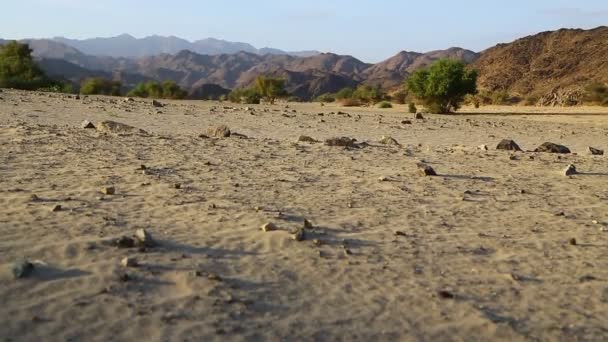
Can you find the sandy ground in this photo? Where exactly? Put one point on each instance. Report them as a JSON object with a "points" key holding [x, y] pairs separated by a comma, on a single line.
{"points": [[481, 252]]}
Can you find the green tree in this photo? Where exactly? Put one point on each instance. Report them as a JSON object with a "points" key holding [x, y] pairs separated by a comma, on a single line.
{"points": [[368, 94], [153, 89], [18, 69], [100, 86], [270, 88], [345, 93], [244, 95], [443, 85]]}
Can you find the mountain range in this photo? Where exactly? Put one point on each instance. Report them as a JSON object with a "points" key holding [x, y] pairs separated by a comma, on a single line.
{"points": [[536, 64]]}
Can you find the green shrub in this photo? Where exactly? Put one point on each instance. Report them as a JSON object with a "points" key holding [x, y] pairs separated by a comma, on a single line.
{"points": [[596, 93], [412, 108], [385, 105], [100, 86], [531, 100], [325, 98], [400, 97], [18, 69], [443, 85], [245, 96], [368, 94], [153, 89], [345, 93], [270, 88]]}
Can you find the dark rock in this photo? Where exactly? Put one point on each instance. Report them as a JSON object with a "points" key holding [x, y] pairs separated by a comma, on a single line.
{"points": [[570, 170], [508, 145], [157, 104], [125, 242], [299, 235], [221, 131], [87, 124], [22, 269], [595, 151], [426, 170], [549, 147], [305, 138], [389, 141], [419, 116], [144, 238], [341, 141]]}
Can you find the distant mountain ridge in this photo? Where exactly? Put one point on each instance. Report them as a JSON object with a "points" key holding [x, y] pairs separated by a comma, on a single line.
{"points": [[128, 46]]}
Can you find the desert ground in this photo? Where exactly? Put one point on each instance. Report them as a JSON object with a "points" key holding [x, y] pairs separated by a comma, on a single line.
{"points": [[500, 245]]}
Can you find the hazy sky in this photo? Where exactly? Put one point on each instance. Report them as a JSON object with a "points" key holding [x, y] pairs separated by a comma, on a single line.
{"points": [[369, 30]]}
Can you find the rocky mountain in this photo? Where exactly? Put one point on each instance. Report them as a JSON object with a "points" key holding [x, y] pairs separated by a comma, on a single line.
{"points": [[128, 46], [541, 63], [391, 72]]}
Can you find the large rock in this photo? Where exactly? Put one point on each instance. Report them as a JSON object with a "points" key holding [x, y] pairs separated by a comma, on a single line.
{"points": [[508, 145], [389, 141], [550, 147], [118, 128], [221, 131]]}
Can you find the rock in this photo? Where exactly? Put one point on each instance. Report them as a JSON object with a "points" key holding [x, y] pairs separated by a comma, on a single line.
{"points": [[483, 147], [110, 190], [595, 151], [157, 104], [144, 238], [573, 242], [129, 99], [269, 227], [382, 179], [307, 224], [117, 128], [341, 141], [87, 124], [129, 262], [419, 116], [221, 131], [125, 242], [549, 147], [389, 141], [305, 138], [406, 122], [56, 208], [299, 235], [22, 269], [561, 97], [508, 145], [570, 170], [426, 170]]}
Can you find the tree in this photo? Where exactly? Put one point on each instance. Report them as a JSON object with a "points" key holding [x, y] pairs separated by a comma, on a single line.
{"points": [[100, 86], [443, 85], [246, 96], [18, 69], [270, 88], [345, 93], [368, 94], [153, 89]]}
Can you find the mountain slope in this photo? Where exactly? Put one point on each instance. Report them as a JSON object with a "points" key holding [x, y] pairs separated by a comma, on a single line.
{"points": [[538, 64], [128, 46]]}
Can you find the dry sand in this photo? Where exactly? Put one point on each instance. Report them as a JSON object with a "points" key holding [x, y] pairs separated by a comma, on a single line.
{"points": [[481, 252]]}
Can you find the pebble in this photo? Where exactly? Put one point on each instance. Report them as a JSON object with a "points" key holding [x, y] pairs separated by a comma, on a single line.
{"points": [[307, 224], [144, 238], [269, 227], [56, 208], [129, 262], [426, 170], [22, 269], [570, 170], [299, 235], [108, 190]]}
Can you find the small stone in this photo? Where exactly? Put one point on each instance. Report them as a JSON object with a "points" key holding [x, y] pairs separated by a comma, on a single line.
{"points": [[573, 242], [426, 170], [347, 252], [419, 116], [129, 262], [214, 277], [108, 190], [144, 238], [269, 227], [221, 131], [22, 269], [157, 104], [389, 141], [446, 294], [595, 151], [56, 208], [129, 99], [483, 147], [34, 198], [177, 186], [299, 235], [341, 141], [400, 233], [307, 224], [570, 170], [305, 138], [508, 145], [549, 147], [383, 179], [87, 124], [143, 167], [406, 122]]}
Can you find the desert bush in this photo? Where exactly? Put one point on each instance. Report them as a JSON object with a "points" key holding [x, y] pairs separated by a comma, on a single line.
{"points": [[368, 94], [472, 100], [18, 69], [350, 102], [100, 86], [270, 88], [412, 108], [153, 89], [596, 93], [245, 96], [400, 97], [531, 100], [443, 85], [385, 104], [325, 98], [345, 93]]}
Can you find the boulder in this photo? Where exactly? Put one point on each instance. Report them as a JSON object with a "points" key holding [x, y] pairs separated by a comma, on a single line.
{"points": [[595, 151], [508, 145], [550, 147]]}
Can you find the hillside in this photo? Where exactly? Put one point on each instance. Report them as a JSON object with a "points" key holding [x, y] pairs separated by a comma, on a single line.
{"points": [[540, 63]]}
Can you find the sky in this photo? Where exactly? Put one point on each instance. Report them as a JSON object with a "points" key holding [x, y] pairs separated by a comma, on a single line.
{"points": [[369, 30]]}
